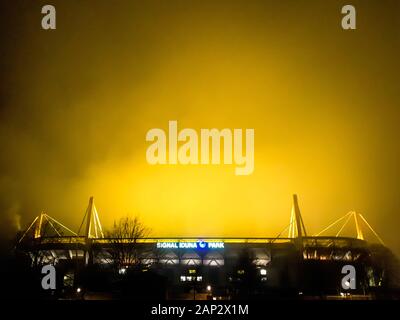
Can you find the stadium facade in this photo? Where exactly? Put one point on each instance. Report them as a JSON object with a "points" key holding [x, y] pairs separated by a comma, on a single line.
{"points": [[214, 268]]}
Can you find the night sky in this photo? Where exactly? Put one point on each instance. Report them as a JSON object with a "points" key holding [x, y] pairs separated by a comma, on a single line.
{"points": [[76, 104]]}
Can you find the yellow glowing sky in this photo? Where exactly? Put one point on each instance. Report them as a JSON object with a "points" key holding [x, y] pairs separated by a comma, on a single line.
{"points": [[323, 102]]}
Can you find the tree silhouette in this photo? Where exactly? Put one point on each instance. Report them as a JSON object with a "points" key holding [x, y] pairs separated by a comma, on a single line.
{"points": [[124, 238]]}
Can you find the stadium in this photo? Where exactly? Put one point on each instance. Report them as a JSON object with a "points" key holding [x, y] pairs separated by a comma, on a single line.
{"points": [[136, 266]]}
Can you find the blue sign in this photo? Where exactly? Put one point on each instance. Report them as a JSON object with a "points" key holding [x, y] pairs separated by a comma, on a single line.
{"points": [[200, 244]]}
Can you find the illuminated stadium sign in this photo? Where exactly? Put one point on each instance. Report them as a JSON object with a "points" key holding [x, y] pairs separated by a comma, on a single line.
{"points": [[191, 245]]}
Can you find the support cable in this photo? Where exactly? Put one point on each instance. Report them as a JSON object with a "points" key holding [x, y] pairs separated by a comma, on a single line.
{"points": [[23, 236], [83, 221], [282, 231], [98, 222], [332, 224], [52, 225], [348, 219], [59, 223], [376, 235]]}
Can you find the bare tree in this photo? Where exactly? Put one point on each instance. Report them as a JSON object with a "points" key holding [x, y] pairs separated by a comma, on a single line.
{"points": [[124, 237]]}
